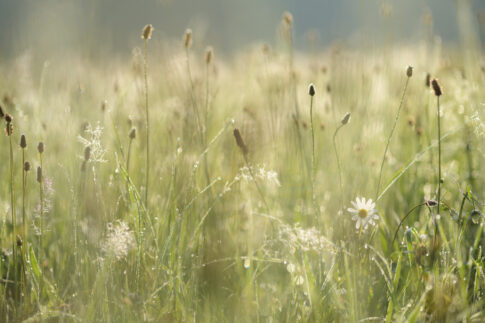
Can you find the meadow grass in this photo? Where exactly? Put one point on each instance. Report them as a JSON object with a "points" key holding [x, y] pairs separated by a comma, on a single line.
{"points": [[283, 228]]}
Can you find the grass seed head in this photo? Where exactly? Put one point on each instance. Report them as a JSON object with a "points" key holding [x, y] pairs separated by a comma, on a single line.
{"points": [[39, 174], [2, 114], [188, 38], [409, 71], [147, 32], [132, 133], [288, 19], [436, 87], [27, 166], [346, 119], [240, 141], [428, 80], [87, 153], [311, 89], [23, 142], [209, 55], [8, 118], [40, 147]]}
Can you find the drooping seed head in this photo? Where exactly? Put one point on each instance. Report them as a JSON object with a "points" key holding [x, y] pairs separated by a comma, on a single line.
{"points": [[40, 147], [240, 141], [27, 166], [311, 89], [87, 153], [188, 38], [39, 174], [409, 71], [147, 32], [209, 55], [428, 80], [436, 87], [23, 142], [132, 133], [346, 119]]}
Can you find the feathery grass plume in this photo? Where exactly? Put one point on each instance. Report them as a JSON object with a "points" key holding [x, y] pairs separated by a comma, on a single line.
{"points": [[188, 38], [146, 35], [132, 136], [343, 122], [244, 149], [409, 73], [438, 92], [311, 92]]}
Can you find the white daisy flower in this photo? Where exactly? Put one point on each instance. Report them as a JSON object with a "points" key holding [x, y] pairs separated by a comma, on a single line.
{"points": [[364, 212]]}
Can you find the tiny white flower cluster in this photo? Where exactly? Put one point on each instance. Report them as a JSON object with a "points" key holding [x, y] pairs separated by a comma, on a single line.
{"points": [[119, 240], [261, 173], [297, 238], [93, 141]]}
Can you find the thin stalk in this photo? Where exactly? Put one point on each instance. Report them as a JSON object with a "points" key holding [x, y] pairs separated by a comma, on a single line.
{"points": [[255, 182], [439, 161], [128, 157], [390, 137], [313, 152], [192, 95], [12, 207], [339, 167], [145, 65], [24, 178]]}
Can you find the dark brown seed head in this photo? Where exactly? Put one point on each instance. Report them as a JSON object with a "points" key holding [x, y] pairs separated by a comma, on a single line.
{"points": [[428, 80], [133, 133], [40, 147], [147, 32], [409, 71], [8, 118], [2, 114], [240, 142], [431, 203], [209, 55], [19, 241], [311, 89], [27, 166], [346, 119], [87, 153], [188, 38], [39, 174], [23, 142], [436, 87]]}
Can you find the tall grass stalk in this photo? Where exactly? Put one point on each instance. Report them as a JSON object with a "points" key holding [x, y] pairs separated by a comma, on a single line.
{"points": [[311, 92], [146, 35], [409, 74], [344, 121], [438, 92]]}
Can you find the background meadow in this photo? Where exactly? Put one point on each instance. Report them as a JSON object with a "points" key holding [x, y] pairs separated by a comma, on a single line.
{"points": [[245, 197]]}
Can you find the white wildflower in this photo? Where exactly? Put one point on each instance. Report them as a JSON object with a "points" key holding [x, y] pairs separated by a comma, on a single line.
{"points": [[364, 212]]}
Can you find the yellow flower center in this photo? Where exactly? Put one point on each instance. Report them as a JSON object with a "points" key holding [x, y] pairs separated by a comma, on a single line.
{"points": [[363, 213]]}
